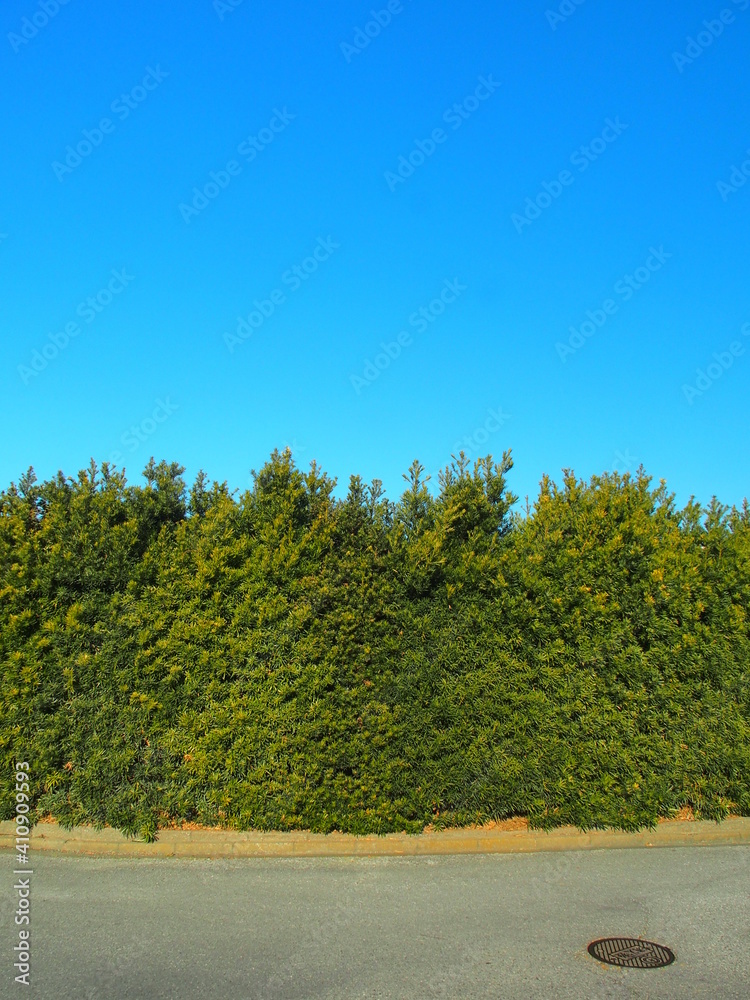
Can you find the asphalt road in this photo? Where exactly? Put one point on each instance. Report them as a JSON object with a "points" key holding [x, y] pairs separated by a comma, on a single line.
{"points": [[501, 926]]}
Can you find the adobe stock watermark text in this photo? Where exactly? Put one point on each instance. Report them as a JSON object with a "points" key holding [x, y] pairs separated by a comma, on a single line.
{"points": [[248, 149], [122, 106], [420, 320], [138, 434], [564, 12], [22, 886], [624, 289], [293, 278], [454, 116], [88, 311], [696, 45], [224, 7], [582, 158], [31, 25], [363, 37], [722, 362]]}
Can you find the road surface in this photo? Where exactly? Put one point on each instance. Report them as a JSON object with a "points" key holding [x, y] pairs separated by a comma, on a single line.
{"points": [[460, 927]]}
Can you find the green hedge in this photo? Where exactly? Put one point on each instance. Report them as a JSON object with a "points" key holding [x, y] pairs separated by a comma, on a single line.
{"points": [[285, 660]]}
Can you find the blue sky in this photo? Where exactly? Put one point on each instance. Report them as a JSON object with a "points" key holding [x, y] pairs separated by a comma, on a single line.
{"points": [[631, 127]]}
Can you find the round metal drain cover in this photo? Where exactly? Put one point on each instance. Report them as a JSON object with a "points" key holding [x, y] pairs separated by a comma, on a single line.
{"points": [[631, 953]]}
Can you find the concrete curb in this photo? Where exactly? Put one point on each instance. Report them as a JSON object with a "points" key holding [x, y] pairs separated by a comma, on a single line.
{"points": [[231, 844]]}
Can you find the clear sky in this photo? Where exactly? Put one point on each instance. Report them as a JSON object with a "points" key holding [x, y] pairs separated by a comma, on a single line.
{"points": [[414, 167]]}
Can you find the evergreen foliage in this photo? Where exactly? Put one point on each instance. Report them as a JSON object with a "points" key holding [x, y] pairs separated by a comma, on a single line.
{"points": [[285, 660]]}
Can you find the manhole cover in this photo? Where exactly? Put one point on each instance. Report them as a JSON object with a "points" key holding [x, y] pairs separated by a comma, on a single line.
{"points": [[632, 953]]}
